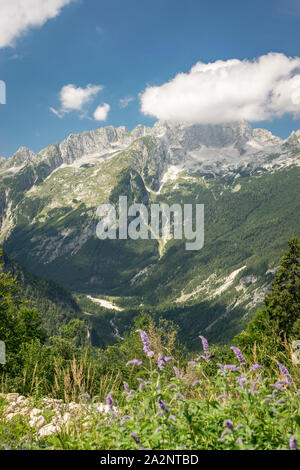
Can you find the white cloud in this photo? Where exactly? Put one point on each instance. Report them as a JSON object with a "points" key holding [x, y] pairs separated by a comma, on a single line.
{"points": [[225, 91], [124, 102], [101, 112], [18, 16], [74, 98]]}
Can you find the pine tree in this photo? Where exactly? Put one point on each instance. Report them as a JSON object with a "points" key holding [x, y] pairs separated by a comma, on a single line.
{"points": [[282, 304], [279, 318]]}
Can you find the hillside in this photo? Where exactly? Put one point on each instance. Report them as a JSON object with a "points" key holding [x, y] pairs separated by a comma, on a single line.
{"points": [[246, 178]]}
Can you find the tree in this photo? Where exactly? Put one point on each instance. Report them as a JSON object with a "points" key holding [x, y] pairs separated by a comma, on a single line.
{"points": [[19, 324], [279, 319]]}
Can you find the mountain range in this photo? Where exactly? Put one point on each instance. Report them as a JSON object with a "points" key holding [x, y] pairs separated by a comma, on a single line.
{"points": [[247, 179]]}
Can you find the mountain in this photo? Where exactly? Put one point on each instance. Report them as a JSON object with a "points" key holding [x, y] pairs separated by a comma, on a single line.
{"points": [[247, 179]]}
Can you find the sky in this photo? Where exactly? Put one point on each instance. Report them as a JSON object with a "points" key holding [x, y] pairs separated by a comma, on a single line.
{"points": [[76, 65]]}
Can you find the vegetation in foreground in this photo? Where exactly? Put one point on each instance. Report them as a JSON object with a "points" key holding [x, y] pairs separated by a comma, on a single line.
{"points": [[157, 396]]}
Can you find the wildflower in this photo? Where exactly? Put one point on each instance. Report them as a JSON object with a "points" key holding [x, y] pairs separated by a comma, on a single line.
{"points": [[176, 371], [172, 417], [179, 396], [239, 426], [293, 443], [281, 400], [205, 345], [239, 441], [231, 367], [285, 372], [192, 363], [241, 380], [256, 367], [239, 355], [146, 343], [162, 361], [135, 362], [278, 386], [226, 431], [136, 439], [223, 396], [228, 423], [126, 386], [109, 400], [266, 400], [161, 404]]}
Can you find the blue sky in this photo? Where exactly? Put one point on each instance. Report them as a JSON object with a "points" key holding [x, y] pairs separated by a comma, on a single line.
{"points": [[125, 47]]}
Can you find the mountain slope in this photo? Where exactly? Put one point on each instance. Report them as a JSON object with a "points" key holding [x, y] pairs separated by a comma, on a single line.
{"points": [[248, 180]]}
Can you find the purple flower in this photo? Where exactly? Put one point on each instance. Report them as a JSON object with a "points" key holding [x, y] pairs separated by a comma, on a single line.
{"points": [[126, 386], [205, 345], [228, 423], [161, 404], [278, 386], [192, 363], [162, 361], [109, 400], [256, 367], [176, 371], [135, 362], [179, 396], [224, 433], [281, 400], [231, 367], [146, 342], [136, 439], [293, 443], [241, 380], [285, 372], [223, 396], [239, 355], [202, 357]]}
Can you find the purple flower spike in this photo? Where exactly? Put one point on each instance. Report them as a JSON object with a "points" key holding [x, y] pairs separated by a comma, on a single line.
{"points": [[293, 443], [228, 423], [109, 400], [146, 343], [231, 367], [223, 396], [126, 386], [161, 405], [176, 371], [162, 361], [135, 362], [256, 367], [239, 355], [205, 345], [285, 372]]}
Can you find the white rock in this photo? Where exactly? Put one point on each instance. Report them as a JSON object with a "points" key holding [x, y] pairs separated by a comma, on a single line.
{"points": [[48, 430], [35, 412], [37, 422]]}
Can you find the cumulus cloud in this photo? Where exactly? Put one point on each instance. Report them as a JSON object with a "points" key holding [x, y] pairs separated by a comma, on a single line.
{"points": [[124, 102], [226, 91], [18, 16], [101, 112], [74, 98]]}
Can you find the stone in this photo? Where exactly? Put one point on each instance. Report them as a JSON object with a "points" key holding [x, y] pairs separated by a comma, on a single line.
{"points": [[35, 412], [48, 430], [37, 422]]}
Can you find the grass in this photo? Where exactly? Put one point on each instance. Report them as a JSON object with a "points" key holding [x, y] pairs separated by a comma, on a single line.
{"points": [[202, 405]]}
